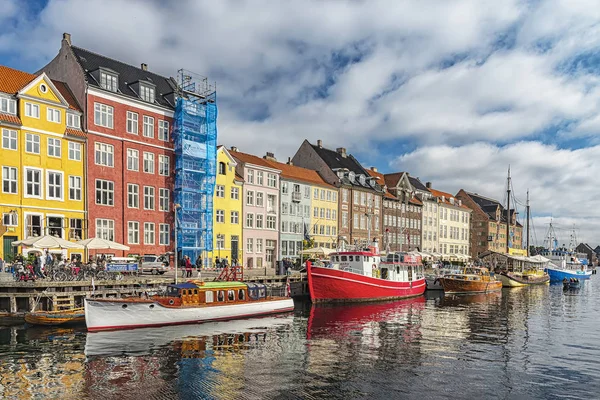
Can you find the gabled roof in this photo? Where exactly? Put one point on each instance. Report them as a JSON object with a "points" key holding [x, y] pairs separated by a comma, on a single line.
{"points": [[444, 197], [586, 247], [68, 96], [417, 184], [391, 180], [12, 80], [127, 76], [251, 159], [299, 174], [489, 207]]}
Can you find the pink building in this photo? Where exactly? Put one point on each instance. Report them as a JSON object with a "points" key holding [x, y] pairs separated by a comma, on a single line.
{"points": [[260, 209]]}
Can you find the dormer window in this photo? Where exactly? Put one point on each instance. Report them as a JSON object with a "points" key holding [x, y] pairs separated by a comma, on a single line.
{"points": [[351, 176], [8, 106], [108, 81], [147, 93], [362, 179], [73, 121]]}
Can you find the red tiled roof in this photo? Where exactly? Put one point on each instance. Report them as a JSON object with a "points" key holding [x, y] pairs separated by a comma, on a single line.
{"points": [[75, 132], [250, 159], [391, 180], [381, 180], [415, 200], [239, 177], [390, 196], [12, 80], [66, 93], [13, 119], [439, 194], [299, 173]]}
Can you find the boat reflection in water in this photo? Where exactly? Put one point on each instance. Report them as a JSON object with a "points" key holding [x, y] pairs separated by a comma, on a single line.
{"points": [[146, 340]]}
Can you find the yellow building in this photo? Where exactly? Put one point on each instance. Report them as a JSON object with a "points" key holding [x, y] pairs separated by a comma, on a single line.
{"points": [[324, 218], [227, 208], [42, 157]]}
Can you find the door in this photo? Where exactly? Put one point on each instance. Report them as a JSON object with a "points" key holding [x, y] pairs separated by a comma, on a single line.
{"points": [[9, 249], [234, 248]]}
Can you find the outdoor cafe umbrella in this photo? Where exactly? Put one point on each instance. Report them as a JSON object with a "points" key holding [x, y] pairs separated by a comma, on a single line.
{"points": [[98, 243], [47, 242]]}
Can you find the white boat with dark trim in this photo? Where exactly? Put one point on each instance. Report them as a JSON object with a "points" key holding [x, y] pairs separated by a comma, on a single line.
{"points": [[186, 303]]}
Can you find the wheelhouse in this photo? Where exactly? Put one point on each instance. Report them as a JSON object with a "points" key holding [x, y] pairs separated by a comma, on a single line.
{"points": [[403, 267], [212, 293]]}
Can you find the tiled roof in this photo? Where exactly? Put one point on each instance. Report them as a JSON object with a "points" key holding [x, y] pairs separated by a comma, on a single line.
{"points": [[299, 173], [489, 206], [391, 180], [238, 177], [128, 75], [415, 200], [66, 93], [12, 80], [439, 194], [417, 184], [390, 196], [75, 132], [12, 119], [250, 159]]}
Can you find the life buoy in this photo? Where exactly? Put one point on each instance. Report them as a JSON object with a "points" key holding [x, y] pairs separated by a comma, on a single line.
{"points": [[374, 266], [171, 301]]}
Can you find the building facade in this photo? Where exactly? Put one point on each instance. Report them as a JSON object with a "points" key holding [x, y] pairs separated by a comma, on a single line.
{"points": [[129, 114], [227, 217], [488, 225], [43, 160], [260, 210], [360, 196], [454, 226]]}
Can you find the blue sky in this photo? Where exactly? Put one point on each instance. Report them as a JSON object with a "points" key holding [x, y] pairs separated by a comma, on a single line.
{"points": [[450, 90]]}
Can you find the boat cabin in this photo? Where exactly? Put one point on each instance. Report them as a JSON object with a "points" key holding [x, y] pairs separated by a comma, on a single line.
{"points": [[358, 262], [401, 267], [212, 293]]}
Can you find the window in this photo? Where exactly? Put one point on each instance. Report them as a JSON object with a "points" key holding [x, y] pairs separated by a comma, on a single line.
{"points": [[249, 245], [148, 163], [132, 122], [103, 115], [133, 160], [259, 245], [250, 198], [271, 222], [316, 194], [9, 139], [53, 115], [148, 126], [133, 195], [220, 242], [149, 233], [108, 81], [147, 93], [8, 106], [73, 121], [271, 204], [284, 188], [32, 143], [105, 192], [53, 147], [74, 151], [75, 188], [104, 154], [9, 180], [32, 110], [235, 217], [163, 199], [10, 219], [133, 232], [163, 130], [54, 186], [148, 198], [235, 193], [105, 229], [164, 236], [222, 168], [259, 178], [220, 191], [76, 228], [33, 182], [250, 177], [220, 216], [249, 220], [259, 221], [164, 165], [260, 199], [272, 180]]}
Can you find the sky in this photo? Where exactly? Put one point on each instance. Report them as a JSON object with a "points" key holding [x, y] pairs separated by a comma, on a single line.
{"points": [[452, 91]]}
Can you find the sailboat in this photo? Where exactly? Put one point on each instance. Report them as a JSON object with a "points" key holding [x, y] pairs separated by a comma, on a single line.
{"points": [[565, 263]]}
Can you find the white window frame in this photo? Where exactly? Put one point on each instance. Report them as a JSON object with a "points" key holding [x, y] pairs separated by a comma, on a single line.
{"points": [[53, 115], [235, 217], [164, 198], [104, 115], [132, 122], [109, 199], [109, 81], [39, 184], [220, 216], [106, 227], [62, 185], [54, 148], [73, 121], [164, 165], [106, 152], [235, 193], [7, 175], [220, 191], [8, 106], [133, 160], [133, 195], [10, 219], [164, 232], [149, 227], [32, 110], [133, 232], [31, 141], [148, 126], [147, 93], [149, 160], [163, 130], [75, 184], [12, 139], [149, 198], [75, 151]]}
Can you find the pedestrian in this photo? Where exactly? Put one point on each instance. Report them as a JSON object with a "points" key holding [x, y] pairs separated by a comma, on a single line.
{"points": [[37, 266], [225, 262], [217, 263], [199, 261], [188, 267]]}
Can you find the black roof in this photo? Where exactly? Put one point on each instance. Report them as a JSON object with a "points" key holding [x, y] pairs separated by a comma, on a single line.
{"points": [[489, 206], [417, 184], [128, 75], [335, 162]]}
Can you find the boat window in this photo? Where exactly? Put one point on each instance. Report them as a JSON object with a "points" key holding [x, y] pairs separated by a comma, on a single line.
{"points": [[221, 295], [350, 258], [241, 294], [172, 291], [210, 297], [397, 270], [231, 295], [262, 292], [357, 258], [195, 291], [344, 258]]}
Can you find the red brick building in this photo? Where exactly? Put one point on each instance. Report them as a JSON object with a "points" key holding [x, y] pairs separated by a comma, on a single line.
{"points": [[128, 116]]}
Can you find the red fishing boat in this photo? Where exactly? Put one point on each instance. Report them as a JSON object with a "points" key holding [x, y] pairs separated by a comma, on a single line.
{"points": [[362, 275]]}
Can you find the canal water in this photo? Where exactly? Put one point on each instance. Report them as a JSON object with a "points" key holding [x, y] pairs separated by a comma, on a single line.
{"points": [[538, 342]]}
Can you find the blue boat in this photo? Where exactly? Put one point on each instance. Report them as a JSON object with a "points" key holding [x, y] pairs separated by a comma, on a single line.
{"points": [[558, 273]]}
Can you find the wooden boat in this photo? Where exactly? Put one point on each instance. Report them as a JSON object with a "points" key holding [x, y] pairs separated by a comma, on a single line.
{"points": [[186, 303], [470, 280], [524, 278], [51, 318]]}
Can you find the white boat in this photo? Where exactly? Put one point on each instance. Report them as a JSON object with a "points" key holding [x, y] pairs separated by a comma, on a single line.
{"points": [[187, 303]]}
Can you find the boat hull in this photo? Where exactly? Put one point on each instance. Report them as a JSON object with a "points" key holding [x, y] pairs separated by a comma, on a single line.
{"points": [[557, 275], [334, 285], [54, 318], [456, 286], [434, 283], [512, 280], [102, 315]]}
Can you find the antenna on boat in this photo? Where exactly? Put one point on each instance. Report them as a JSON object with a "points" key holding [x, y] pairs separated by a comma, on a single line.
{"points": [[527, 223], [508, 212]]}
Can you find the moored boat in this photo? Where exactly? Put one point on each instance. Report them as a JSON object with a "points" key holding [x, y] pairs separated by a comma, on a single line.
{"points": [[572, 283], [186, 303], [568, 270], [470, 280], [433, 279], [52, 318], [361, 275]]}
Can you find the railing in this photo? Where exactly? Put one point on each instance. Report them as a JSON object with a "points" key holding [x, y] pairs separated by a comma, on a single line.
{"points": [[296, 197]]}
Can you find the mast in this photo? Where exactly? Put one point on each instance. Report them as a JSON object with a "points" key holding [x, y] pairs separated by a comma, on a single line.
{"points": [[527, 223], [508, 211]]}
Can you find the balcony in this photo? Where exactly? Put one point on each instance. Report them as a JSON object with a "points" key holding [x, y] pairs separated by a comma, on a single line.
{"points": [[296, 197]]}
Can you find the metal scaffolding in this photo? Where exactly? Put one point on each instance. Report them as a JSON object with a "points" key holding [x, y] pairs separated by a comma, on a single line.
{"points": [[195, 139]]}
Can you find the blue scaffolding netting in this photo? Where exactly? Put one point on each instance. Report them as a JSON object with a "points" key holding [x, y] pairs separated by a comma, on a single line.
{"points": [[195, 139]]}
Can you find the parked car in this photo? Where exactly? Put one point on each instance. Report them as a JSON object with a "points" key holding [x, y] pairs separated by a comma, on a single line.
{"points": [[154, 264]]}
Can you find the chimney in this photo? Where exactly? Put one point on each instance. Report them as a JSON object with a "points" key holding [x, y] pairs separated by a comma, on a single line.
{"points": [[428, 185], [67, 38], [270, 156], [320, 143], [374, 169], [144, 67], [233, 148], [289, 161], [342, 151]]}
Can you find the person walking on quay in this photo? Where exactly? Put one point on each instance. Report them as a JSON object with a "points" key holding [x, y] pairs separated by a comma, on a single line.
{"points": [[217, 263], [188, 267], [199, 262], [37, 266], [225, 262]]}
